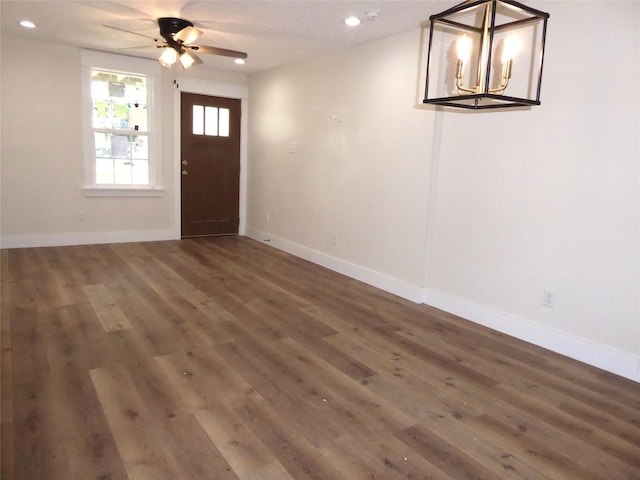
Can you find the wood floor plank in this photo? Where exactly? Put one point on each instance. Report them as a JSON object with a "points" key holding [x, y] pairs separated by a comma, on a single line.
{"points": [[295, 453], [449, 458], [346, 364], [110, 315], [246, 455], [82, 426], [211, 389], [443, 410], [134, 430], [386, 458], [225, 358], [38, 453], [7, 452], [372, 411]]}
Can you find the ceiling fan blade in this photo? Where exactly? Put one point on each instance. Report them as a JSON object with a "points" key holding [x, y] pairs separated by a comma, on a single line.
{"points": [[139, 47], [133, 33], [187, 35], [218, 51]]}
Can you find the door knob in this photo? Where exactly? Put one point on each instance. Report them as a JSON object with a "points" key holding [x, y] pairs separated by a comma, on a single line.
{"points": [[184, 172], [184, 162]]}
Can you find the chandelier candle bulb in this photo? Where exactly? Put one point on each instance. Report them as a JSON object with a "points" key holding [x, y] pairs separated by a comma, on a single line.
{"points": [[511, 47], [506, 75], [463, 47]]}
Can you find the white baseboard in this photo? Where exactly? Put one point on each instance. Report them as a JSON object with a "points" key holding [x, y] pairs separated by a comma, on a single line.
{"points": [[621, 363], [85, 238], [379, 280]]}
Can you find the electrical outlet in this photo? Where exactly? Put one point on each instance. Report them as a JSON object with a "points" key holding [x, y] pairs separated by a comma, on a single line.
{"points": [[548, 299], [81, 216], [334, 239], [267, 217]]}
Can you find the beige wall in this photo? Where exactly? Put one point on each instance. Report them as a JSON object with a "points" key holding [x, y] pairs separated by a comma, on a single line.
{"points": [[479, 211]]}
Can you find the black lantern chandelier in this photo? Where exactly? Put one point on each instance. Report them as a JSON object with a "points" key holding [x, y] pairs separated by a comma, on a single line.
{"points": [[486, 54]]}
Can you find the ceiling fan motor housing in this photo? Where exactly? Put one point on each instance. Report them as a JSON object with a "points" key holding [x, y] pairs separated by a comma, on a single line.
{"points": [[169, 26]]}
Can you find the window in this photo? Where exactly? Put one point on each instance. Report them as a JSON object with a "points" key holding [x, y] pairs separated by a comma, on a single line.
{"points": [[120, 148], [210, 121], [120, 131]]}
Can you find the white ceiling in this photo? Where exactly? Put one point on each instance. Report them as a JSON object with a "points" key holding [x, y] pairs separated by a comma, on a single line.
{"points": [[273, 33]]}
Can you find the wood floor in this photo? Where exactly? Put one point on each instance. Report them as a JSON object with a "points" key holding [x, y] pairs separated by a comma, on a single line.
{"points": [[226, 359]]}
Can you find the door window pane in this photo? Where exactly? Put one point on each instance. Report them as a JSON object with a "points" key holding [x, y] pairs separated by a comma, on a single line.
{"points": [[211, 121], [198, 120], [224, 122]]}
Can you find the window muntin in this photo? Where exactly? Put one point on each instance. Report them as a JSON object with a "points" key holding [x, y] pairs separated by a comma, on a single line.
{"points": [[120, 108]]}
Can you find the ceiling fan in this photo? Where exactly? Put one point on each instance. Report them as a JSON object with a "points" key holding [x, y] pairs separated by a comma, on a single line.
{"points": [[178, 36]]}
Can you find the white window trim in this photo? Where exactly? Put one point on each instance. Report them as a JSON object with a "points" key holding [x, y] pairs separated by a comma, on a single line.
{"points": [[97, 60]]}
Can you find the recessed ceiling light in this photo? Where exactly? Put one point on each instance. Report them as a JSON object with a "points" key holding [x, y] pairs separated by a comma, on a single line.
{"points": [[28, 24], [240, 61], [352, 21]]}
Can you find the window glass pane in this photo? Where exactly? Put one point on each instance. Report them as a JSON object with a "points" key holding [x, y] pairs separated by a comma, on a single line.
{"points": [[211, 121], [139, 147], [104, 171], [120, 116], [119, 146], [198, 119], [101, 114], [99, 89], [122, 170], [137, 117], [140, 172], [103, 144], [224, 122]]}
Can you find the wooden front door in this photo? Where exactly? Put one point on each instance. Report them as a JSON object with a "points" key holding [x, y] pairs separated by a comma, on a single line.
{"points": [[210, 165]]}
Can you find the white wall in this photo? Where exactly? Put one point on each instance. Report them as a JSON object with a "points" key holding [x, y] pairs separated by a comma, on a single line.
{"points": [[42, 156], [485, 210]]}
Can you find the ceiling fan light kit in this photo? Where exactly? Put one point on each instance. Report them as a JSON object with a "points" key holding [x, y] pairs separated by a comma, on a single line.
{"points": [[168, 57], [178, 35]]}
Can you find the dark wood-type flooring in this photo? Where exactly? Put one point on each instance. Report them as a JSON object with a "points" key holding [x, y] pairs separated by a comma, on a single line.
{"points": [[227, 359]]}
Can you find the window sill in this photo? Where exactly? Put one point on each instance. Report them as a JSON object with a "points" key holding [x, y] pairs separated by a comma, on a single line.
{"points": [[121, 191]]}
